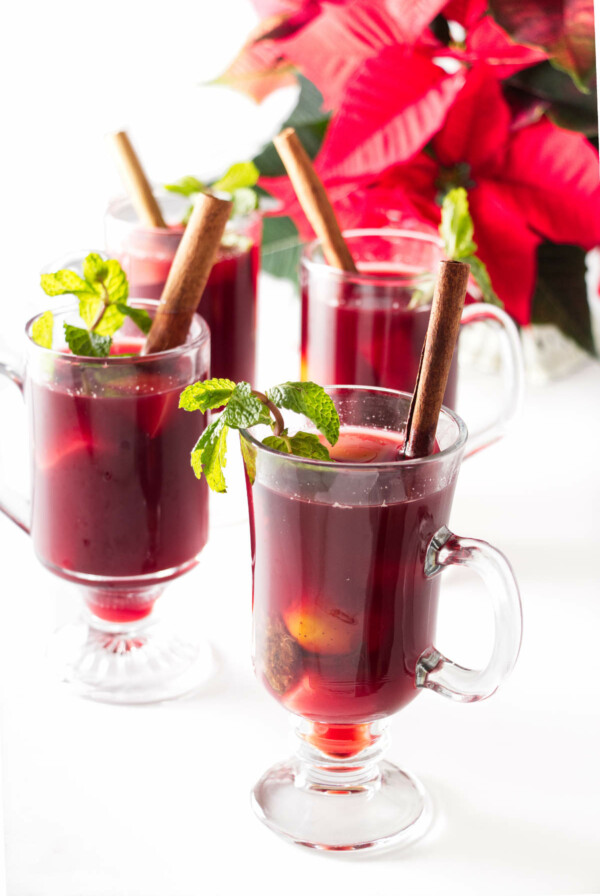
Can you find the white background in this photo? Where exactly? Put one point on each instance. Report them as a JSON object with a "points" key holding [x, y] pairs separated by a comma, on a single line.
{"points": [[154, 801]]}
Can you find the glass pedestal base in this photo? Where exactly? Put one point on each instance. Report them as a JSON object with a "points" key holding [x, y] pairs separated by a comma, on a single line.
{"points": [[343, 803], [141, 662]]}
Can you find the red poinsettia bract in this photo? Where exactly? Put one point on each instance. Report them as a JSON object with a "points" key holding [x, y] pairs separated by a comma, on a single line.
{"points": [[524, 185]]}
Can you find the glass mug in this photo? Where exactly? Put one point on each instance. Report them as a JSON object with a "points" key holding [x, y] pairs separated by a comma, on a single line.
{"points": [[113, 508], [347, 559], [228, 303], [359, 328]]}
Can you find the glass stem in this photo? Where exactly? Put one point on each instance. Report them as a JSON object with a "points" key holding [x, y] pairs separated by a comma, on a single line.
{"points": [[340, 758]]}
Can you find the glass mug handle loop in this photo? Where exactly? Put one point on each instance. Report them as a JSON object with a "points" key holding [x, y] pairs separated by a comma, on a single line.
{"points": [[15, 506], [437, 672], [512, 368]]}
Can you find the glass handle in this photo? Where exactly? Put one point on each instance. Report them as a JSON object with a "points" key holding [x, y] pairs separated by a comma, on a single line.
{"points": [[512, 368], [436, 671], [15, 506]]}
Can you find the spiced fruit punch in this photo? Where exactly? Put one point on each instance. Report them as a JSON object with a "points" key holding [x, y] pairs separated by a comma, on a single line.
{"points": [[228, 303], [349, 531], [111, 507]]}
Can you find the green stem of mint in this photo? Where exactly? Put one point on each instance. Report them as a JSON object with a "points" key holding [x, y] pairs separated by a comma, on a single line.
{"points": [[243, 407], [278, 425], [99, 316]]}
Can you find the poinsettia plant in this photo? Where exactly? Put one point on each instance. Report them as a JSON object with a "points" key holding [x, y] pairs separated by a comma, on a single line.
{"points": [[402, 101]]}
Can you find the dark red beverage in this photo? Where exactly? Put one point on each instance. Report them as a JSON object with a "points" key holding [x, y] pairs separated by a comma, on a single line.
{"points": [[363, 332], [112, 497], [343, 608], [229, 308], [229, 300]]}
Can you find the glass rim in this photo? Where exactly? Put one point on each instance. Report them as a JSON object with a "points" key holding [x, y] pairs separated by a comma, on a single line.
{"points": [[193, 343], [159, 191], [416, 236], [454, 448]]}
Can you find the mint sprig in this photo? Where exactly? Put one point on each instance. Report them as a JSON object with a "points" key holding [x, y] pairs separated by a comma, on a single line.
{"points": [[456, 230], [238, 181], [42, 329], [102, 292], [245, 407]]}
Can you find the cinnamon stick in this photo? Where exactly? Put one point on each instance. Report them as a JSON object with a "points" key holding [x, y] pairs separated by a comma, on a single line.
{"points": [[188, 275], [314, 200], [135, 181], [436, 357]]}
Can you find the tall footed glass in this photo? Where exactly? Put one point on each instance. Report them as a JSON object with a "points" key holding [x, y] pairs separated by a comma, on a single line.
{"points": [[112, 509], [347, 557]]}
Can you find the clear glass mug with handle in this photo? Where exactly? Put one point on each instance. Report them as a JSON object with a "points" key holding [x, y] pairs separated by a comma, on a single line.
{"points": [[347, 561], [365, 328], [112, 508]]}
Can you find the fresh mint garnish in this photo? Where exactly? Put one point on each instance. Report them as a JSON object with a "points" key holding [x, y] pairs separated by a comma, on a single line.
{"points": [[186, 186], [245, 407], [304, 444], [238, 176], [141, 318], [205, 395], [456, 230], [210, 455], [312, 401], [102, 294], [238, 181], [86, 342], [42, 328]]}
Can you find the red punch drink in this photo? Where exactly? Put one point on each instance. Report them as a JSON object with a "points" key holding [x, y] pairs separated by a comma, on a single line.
{"points": [[229, 301], [342, 623], [346, 556], [111, 498], [112, 506], [368, 328]]}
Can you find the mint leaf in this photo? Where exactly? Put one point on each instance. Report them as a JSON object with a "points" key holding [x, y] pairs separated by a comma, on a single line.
{"points": [[141, 318], [62, 283], [456, 226], [312, 401], [245, 200], [90, 306], [481, 277], [303, 444], [206, 395], [42, 329], [456, 230], [210, 454], [278, 443], [111, 321], [115, 282], [307, 444], [242, 174], [86, 343], [186, 186], [94, 267], [244, 409], [249, 457]]}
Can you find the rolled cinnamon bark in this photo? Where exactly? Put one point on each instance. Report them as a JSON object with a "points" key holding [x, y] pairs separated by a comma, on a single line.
{"points": [[436, 358], [188, 275], [314, 200], [135, 181]]}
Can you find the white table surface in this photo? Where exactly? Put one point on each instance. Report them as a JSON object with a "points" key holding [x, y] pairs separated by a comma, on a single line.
{"points": [[102, 800]]}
